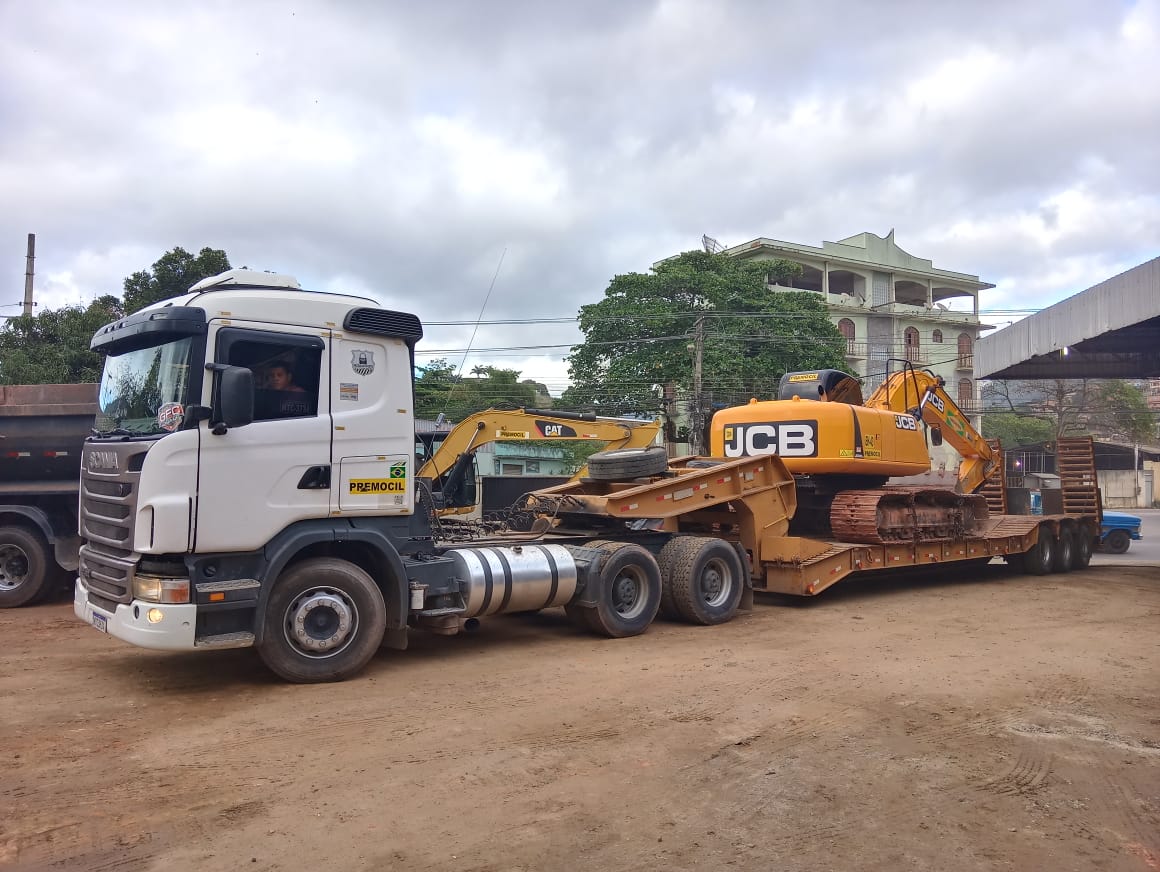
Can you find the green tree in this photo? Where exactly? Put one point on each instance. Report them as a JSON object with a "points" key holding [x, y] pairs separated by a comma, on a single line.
{"points": [[439, 388], [638, 339], [52, 347], [1126, 413], [1012, 429], [171, 276], [1111, 409], [575, 452]]}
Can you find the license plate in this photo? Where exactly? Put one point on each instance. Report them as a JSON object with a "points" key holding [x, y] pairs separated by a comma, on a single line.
{"points": [[101, 622]]}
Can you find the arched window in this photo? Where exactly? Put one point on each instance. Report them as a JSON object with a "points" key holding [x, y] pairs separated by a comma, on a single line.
{"points": [[846, 328], [966, 395], [910, 341], [966, 351], [936, 336]]}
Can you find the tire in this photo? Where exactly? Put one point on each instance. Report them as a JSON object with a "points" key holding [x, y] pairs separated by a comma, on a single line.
{"points": [[1117, 542], [628, 463], [27, 571], [669, 556], [1084, 544], [629, 591], [324, 621], [1041, 558], [706, 581], [1065, 551]]}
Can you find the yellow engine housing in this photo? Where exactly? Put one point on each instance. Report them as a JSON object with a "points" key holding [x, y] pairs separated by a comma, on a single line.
{"points": [[823, 438]]}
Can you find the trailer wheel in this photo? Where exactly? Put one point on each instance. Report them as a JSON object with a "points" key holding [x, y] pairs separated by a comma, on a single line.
{"points": [[629, 594], [1065, 551], [25, 566], [1084, 544], [1117, 542], [706, 580], [628, 463], [324, 621], [669, 556], [1041, 558]]}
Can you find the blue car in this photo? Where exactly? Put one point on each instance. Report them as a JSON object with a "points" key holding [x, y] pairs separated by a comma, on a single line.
{"points": [[1117, 531]]}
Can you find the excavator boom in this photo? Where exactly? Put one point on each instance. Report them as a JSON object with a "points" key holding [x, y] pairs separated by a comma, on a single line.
{"points": [[450, 463], [923, 395]]}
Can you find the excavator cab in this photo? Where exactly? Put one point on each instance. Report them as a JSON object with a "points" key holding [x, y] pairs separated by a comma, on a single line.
{"points": [[827, 385]]}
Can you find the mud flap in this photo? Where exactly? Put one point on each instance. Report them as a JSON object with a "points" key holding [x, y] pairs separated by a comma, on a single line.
{"points": [[396, 639]]}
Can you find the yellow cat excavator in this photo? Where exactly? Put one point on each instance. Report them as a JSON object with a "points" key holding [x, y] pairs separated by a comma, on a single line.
{"points": [[842, 450], [451, 469]]}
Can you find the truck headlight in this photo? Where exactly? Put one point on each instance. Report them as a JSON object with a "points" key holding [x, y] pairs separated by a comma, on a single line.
{"points": [[160, 590]]}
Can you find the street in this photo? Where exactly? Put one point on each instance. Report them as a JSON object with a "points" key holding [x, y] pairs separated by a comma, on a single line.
{"points": [[980, 723]]}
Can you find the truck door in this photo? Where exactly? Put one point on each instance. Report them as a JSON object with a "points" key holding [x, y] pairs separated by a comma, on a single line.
{"points": [[374, 430], [256, 480]]}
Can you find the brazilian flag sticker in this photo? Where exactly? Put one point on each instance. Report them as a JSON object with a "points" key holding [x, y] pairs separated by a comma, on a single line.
{"points": [[399, 470]]}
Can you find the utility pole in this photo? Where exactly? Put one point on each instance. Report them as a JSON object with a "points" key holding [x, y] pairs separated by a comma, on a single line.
{"points": [[697, 434], [29, 272]]}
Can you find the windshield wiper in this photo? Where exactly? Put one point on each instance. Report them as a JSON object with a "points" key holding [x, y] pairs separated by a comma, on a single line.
{"points": [[116, 431]]}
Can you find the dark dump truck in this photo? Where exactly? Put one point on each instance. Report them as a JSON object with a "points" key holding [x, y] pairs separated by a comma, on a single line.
{"points": [[42, 433]]}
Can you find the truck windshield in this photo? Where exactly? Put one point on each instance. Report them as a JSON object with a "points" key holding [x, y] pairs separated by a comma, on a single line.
{"points": [[145, 392]]}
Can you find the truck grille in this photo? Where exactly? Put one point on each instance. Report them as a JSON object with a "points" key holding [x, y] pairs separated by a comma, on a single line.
{"points": [[108, 506], [108, 576], [107, 512]]}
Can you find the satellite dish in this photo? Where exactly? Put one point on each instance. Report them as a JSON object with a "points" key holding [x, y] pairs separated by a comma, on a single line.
{"points": [[711, 245]]}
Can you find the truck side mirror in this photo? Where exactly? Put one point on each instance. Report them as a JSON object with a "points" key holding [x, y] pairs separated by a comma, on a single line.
{"points": [[235, 398], [936, 435]]}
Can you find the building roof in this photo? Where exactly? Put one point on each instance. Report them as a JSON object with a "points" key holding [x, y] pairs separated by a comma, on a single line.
{"points": [[865, 249]]}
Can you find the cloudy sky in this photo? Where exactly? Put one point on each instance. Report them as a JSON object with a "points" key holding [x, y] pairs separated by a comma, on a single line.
{"points": [[410, 151]]}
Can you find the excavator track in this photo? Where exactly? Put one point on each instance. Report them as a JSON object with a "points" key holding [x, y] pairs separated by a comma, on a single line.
{"points": [[906, 514]]}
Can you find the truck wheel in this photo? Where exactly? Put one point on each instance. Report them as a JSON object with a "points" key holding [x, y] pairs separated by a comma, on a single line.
{"points": [[324, 621], [670, 555], [24, 567], [707, 581], [1065, 551], [1084, 543], [1041, 558], [628, 463], [629, 594], [1117, 542]]}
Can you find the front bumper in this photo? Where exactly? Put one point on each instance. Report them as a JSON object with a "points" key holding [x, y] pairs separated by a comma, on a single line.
{"points": [[176, 631]]}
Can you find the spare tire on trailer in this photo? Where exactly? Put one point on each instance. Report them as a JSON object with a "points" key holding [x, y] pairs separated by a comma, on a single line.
{"points": [[627, 463]]}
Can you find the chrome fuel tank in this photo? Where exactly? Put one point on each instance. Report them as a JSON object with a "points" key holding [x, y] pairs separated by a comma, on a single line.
{"points": [[517, 579]]}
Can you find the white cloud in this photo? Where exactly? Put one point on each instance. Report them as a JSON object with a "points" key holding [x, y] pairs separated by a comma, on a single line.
{"points": [[398, 150]]}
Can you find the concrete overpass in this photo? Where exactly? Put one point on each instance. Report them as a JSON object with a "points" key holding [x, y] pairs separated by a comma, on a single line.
{"points": [[1111, 330]]}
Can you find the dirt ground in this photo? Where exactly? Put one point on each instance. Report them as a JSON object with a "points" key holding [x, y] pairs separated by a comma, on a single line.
{"points": [[994, 722]]}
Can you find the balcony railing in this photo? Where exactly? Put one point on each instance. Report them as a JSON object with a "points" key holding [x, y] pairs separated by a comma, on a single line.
{"points": [[965, 361], [861, 350]]}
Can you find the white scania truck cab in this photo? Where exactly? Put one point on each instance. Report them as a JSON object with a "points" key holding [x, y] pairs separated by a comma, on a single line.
{"points": [[252, 483]]}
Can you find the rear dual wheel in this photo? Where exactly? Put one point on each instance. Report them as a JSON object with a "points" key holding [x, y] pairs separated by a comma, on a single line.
{"points": [[1040, 559], [703, 580], [1071, 549]]}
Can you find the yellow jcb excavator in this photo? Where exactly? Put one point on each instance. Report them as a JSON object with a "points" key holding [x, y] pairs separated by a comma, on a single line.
{"points": [[842, 450], [450, 467]]}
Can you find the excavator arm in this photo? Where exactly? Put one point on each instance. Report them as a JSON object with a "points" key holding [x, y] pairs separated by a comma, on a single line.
{"points": [[923, 395], [451, 463]]}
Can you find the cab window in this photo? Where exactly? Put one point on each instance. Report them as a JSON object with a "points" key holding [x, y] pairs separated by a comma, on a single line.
{"points": [[286, 370]]}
